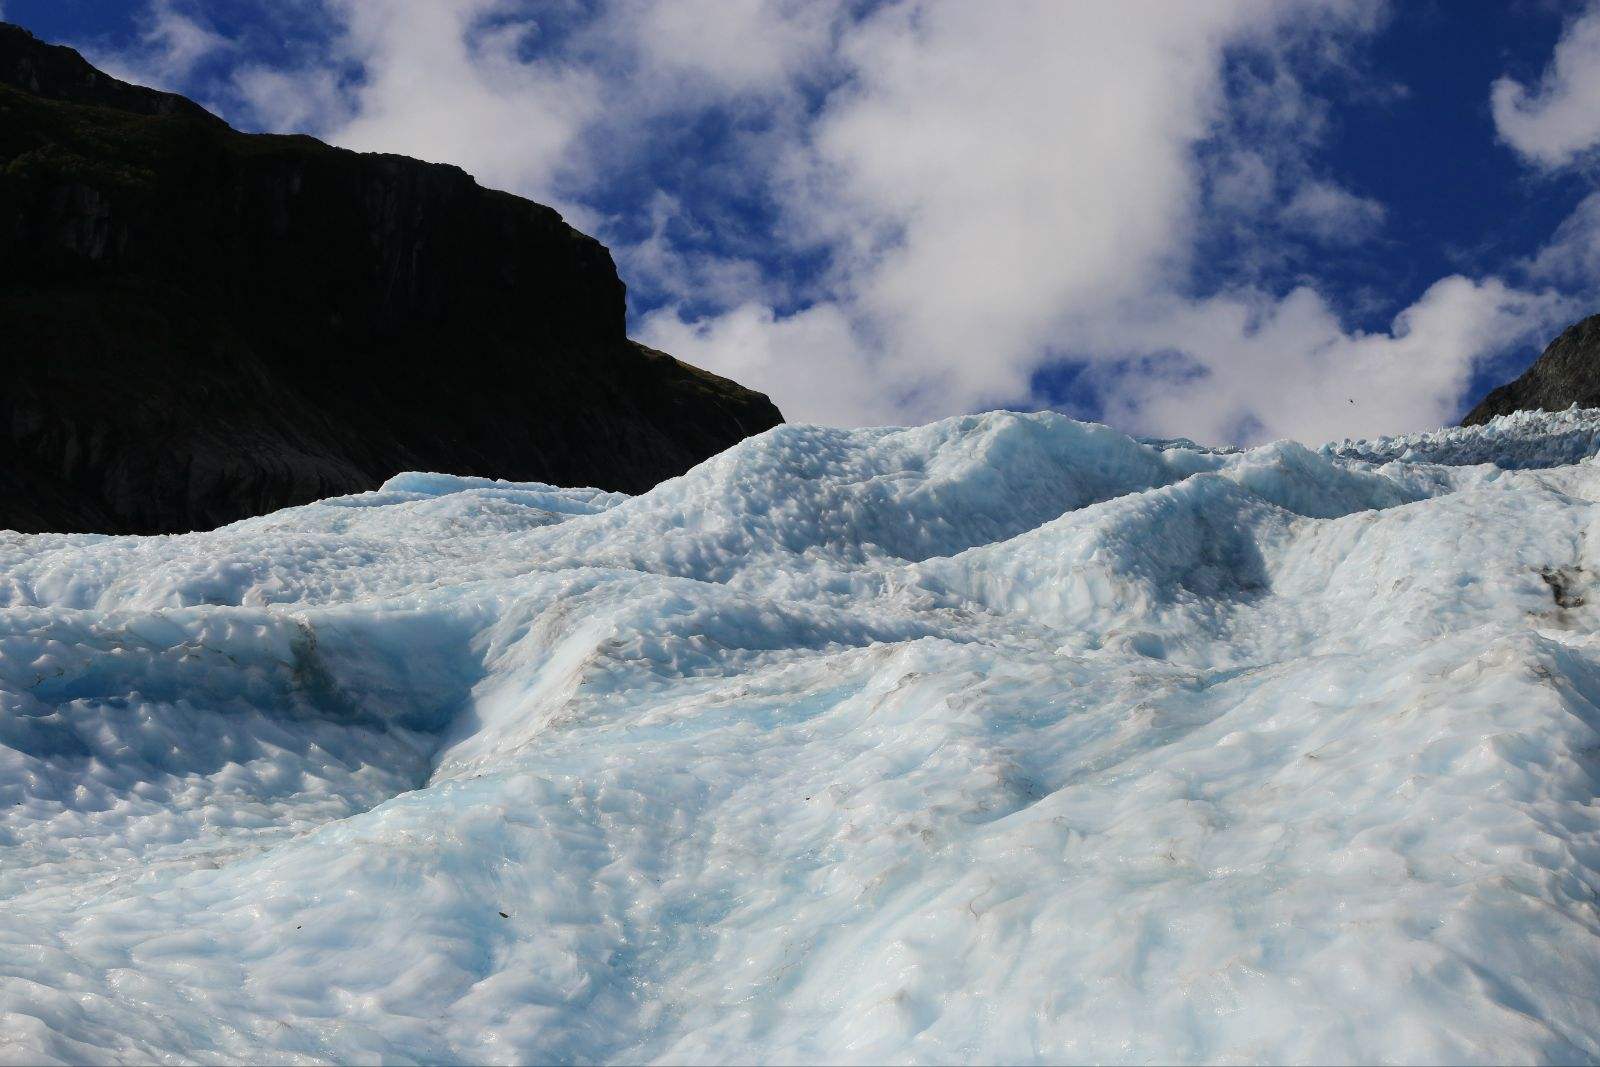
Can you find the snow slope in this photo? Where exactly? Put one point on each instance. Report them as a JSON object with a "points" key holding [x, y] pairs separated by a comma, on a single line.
{"points": [[1007, 738]]}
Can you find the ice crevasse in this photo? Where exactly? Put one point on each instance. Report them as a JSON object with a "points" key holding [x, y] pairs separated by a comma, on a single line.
{"points": [[1006, 738]]}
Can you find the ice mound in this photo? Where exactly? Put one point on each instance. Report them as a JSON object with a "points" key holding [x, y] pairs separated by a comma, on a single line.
{"points": [[1007, 738]]}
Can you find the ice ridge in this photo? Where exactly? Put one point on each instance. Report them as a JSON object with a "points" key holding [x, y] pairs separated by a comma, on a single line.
{"points": [[1008, 738]]}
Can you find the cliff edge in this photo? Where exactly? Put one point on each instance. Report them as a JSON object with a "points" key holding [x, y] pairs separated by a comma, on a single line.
{"points": [[199, 325], [1567, 373]]}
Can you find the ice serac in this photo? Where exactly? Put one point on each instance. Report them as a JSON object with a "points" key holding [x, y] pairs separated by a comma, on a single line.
{"points": [[1003, 739], [198, 325], [1567, 373]]}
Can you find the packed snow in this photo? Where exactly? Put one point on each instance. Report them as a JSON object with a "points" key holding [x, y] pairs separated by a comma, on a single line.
{"points": [[1003, 739]]}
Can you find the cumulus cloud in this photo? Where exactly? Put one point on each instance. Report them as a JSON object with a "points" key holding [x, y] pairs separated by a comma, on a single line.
{"points": [[1054, 210], [446, 80], [811, 359], [979, 181], [539, 99], [1557, 120], [732, 46], [1014, 171], [1250, 367], [970, 197]]}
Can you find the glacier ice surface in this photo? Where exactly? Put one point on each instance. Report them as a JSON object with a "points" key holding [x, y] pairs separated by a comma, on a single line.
{"points": [[1007, 738]]}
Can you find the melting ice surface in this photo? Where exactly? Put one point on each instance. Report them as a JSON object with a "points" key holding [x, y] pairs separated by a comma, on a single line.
{"points": [[1007, 738]]}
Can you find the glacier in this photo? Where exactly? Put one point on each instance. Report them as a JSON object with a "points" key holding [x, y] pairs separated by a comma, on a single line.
{"points": [[1008, 738]]}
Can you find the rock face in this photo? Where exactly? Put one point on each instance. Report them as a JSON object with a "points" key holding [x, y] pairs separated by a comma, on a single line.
{"points": [[1568, 373], [198, 325]]}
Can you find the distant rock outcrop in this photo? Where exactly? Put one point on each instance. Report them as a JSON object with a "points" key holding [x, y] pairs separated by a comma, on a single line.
{"points": [[1568, 373], [198, 325]]}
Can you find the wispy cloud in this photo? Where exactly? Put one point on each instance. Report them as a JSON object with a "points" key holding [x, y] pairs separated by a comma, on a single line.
{"points": [[1331, 214], [170, 46]]}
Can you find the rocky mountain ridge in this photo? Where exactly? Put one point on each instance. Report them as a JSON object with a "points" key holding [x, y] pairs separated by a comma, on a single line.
{"points": [[198, 325], [1567, 373]]}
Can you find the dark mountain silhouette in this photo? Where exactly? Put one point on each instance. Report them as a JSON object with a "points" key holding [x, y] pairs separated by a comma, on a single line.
{"points": [[198, 325], [1568, 373]]}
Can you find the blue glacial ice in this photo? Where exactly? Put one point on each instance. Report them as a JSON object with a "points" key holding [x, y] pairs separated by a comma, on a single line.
{"points": [[1007, 738]]}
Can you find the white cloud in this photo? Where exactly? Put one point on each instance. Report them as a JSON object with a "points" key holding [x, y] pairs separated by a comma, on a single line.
{"points": [[987, 193], [1259, 368], [981, 180], [444, 80], [297, 101], [811, 360], [999, 189], [1332, 214], [1572, 256], [1556, 125], [666, 263], [734, 46], [1244, 182], [481, 84], [1018, 170], [1558, 120], [169, 48]]}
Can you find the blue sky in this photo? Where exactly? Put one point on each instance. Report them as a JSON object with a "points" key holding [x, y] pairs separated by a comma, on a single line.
{"points": [[1235, 220]]}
